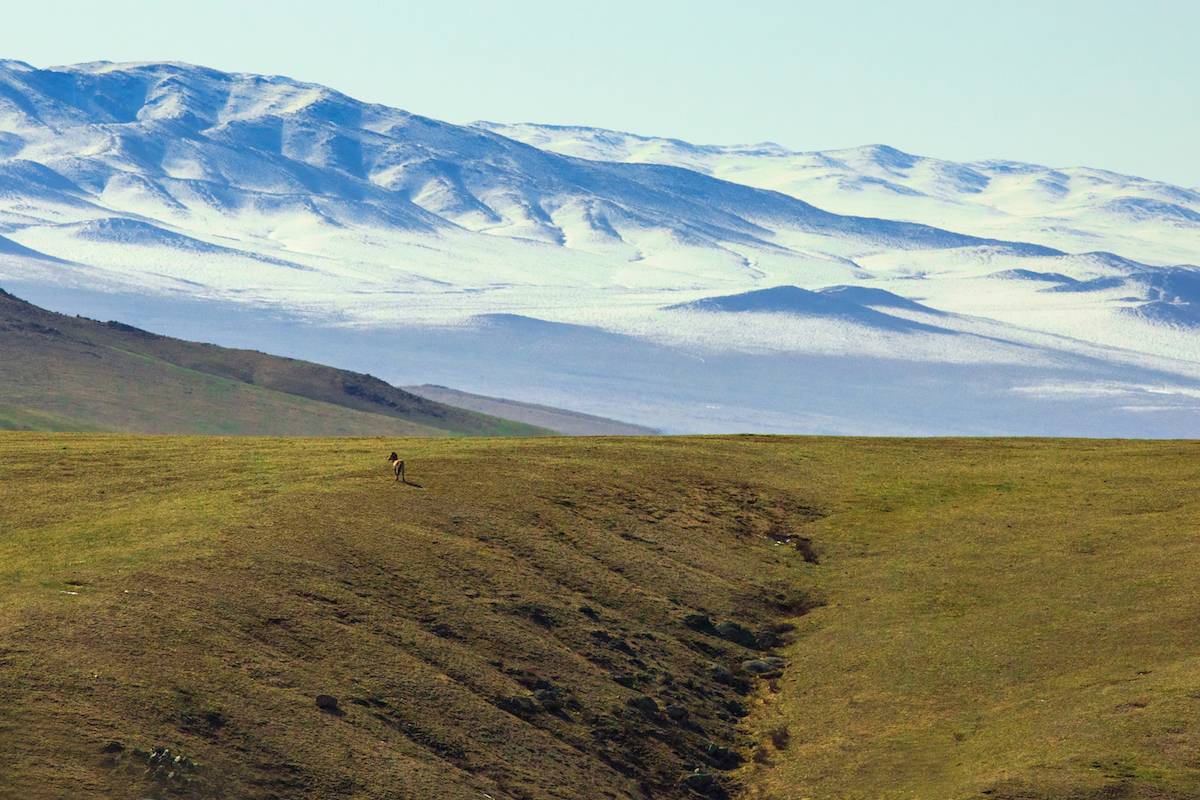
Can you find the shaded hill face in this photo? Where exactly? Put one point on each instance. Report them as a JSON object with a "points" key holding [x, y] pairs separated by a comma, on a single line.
{"points": [[1173, 295], [1167, 296], [72, 373], [850, 303]]}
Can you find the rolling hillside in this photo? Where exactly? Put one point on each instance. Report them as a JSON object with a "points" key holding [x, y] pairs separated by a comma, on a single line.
{"points": [[771, 618], [73, 373]]}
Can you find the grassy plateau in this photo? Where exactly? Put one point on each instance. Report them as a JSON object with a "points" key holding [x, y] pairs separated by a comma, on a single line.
{"points": [[598, 618]]}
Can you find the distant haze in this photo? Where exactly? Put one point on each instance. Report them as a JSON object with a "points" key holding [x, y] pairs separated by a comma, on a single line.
{"points": [[1070, 83]]}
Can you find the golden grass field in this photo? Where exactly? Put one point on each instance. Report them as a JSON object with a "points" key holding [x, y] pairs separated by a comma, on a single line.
{"points": [[988, 618]]}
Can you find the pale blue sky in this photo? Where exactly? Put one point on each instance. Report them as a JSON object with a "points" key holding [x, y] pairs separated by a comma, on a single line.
{"points": [[1063, 82]]}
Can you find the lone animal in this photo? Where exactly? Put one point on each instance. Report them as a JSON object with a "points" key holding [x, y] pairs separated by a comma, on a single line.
{"points": [[397, 467]]}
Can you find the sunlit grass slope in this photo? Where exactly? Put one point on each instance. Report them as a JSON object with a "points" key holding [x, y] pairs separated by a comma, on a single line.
{"points": [[198, 594], [1008, 619], [988, 618]]}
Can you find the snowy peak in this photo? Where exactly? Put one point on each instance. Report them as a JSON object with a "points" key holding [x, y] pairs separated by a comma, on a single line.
{"points": [[190, 145]]}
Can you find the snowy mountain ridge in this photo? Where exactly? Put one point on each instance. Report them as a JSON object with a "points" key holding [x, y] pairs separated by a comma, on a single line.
{"points": [[601, 271], [1070, 208]]}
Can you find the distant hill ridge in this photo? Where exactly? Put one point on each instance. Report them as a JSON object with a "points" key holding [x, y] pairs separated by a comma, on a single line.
{"points": [[73, 373], [571, 423]]}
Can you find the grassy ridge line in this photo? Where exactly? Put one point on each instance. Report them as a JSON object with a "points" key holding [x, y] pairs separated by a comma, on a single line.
{"points": [[112, 376]]}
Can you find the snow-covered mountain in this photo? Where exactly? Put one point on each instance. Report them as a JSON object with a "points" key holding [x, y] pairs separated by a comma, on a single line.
{"points": [[1072, 208], [613, 274]]}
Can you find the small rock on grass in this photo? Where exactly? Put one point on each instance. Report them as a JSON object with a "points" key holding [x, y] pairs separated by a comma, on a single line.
{"points": [[722, 757], [704, 784], [736, 633], [521, 704], [551, 699], [769, 665], [625, 679], [736, 708], [643, 703], [721, 674], [327, 702]]}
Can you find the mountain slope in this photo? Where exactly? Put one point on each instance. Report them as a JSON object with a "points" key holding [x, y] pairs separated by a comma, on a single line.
{"points": [[72, 373], [188, 141], [1073, 209], [334, 230]]}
